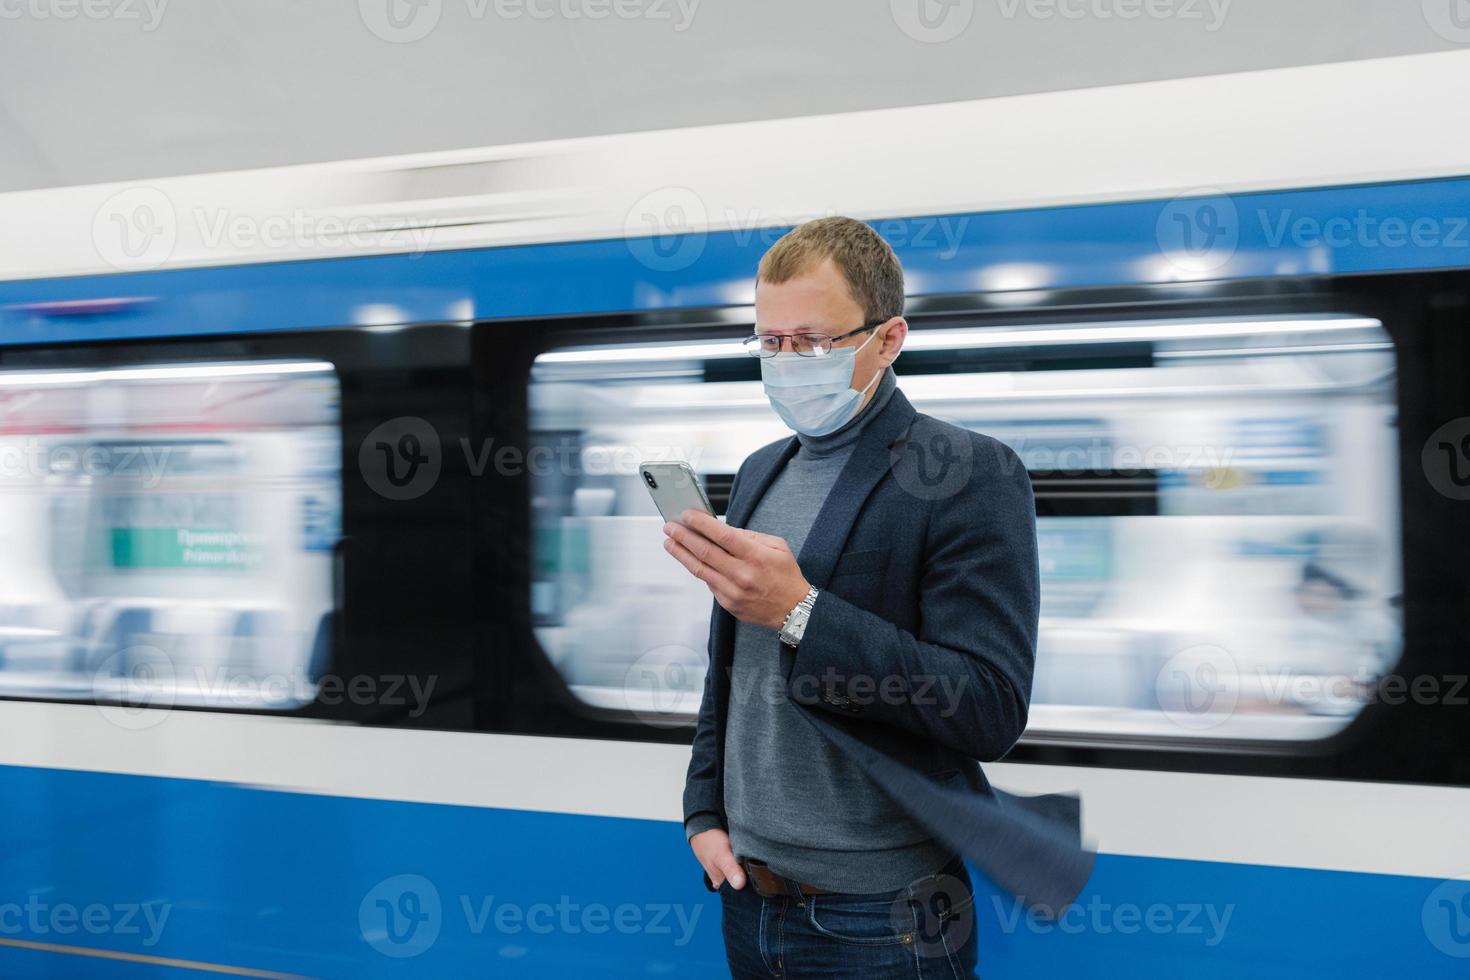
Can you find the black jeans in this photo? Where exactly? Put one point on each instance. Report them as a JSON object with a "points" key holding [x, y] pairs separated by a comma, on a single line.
{"points": [[926, 930]]}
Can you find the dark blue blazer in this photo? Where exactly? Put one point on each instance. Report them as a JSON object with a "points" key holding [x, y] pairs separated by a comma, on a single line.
{"points": [[918, 658]]}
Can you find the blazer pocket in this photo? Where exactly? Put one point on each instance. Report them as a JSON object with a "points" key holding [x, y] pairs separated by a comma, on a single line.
{"points": [[947, 777], [856, 562]]}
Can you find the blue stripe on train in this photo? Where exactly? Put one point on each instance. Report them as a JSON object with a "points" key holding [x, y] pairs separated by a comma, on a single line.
{"points": [[337, 887], [1371, 228]]}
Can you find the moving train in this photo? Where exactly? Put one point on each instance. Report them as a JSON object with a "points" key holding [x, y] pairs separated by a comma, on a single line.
{"points": [[335, 634]]}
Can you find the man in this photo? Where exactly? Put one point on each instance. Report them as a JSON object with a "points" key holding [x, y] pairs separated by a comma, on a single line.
{"points": [[874, 632]]}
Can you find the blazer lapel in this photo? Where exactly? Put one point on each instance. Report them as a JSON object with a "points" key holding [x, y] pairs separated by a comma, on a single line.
{"points": [[871, 458]]}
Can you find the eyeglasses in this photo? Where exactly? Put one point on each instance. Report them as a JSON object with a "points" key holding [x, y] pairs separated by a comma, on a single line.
{"points": [[805, 344]]}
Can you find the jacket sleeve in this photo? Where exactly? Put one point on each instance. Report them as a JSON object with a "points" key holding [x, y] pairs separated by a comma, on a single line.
{"points": [[703, 808], [964, 679], [702, 804]]}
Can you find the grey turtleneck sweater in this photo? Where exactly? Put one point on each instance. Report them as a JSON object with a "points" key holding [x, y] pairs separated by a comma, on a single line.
{"points": [[794, 801]]}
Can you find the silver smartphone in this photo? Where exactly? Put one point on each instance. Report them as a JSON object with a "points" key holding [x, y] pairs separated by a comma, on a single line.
{"points": [[674, 489]]}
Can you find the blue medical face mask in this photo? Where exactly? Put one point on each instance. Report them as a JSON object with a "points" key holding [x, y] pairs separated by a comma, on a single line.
{"points": [[814, 395]]}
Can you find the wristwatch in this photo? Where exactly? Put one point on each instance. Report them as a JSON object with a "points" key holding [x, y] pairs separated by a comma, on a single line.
{"points": [[794, 628]]}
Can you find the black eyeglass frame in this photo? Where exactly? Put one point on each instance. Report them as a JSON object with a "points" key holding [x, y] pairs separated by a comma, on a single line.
{"points": [[752, 344]]}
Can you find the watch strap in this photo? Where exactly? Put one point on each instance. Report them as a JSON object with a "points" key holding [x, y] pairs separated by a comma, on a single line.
{"points": [[794, 628]]}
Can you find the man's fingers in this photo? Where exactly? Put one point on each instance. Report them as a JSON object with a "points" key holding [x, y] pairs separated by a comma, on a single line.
{"points": [[705, 572], [730, 869], [703, 548], [732, 539]]}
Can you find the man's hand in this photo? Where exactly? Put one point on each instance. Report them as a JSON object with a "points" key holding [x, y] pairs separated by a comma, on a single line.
{"points": [[712, 848], [753, 576]]}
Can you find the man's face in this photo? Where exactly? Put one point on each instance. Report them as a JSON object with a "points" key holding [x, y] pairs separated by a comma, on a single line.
{"points": [[819, 302]]}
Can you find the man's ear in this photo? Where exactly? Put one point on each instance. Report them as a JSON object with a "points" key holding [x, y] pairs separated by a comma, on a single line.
{"points": [[893, 338]]}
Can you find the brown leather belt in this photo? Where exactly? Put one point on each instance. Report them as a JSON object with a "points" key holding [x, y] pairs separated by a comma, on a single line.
{"points": [[768, 884]]}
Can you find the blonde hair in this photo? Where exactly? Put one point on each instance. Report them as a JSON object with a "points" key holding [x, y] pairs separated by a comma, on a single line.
{"points": [[873, 273]]}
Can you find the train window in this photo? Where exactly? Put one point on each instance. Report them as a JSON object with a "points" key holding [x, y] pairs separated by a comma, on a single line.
{"points": [[1216, 502], [170, 528]]}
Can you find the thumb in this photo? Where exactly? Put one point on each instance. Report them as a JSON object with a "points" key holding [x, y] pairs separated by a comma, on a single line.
{"points": [[731, 869]]}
